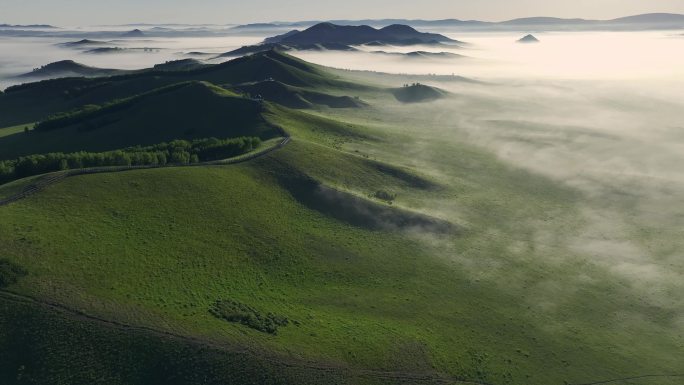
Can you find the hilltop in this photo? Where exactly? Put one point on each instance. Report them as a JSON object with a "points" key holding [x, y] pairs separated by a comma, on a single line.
{"points": [[133, 33], [417, 93], [68, 68]]}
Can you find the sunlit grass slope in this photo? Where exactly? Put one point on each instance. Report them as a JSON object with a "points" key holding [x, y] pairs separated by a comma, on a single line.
{"points": [[157, 248], [465, 275]]}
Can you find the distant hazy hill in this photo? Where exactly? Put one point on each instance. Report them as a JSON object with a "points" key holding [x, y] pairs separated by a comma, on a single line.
{"points": [[417, 93], [652, 18], [421, 55], [333, 37], [529, 39], [543, 21], [133, 33], [30, 26], [85, 43], [327, 33], [67, 68], [250, 49], [637, 22]]}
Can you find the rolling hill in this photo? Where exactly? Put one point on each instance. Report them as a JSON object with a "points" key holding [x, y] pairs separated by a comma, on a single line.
{"points": [[417, 93], [69, 68], [179, 65], [32, 102], [251, 49], [181, 111], [85, 43], [295, 97], [368, 249]]}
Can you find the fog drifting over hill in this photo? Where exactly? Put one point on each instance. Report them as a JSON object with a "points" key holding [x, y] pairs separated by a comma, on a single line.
{"points": [[601, 112]]}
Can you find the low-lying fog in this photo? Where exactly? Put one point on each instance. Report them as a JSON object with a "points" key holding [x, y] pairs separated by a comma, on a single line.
{"points": [[601, 112]]}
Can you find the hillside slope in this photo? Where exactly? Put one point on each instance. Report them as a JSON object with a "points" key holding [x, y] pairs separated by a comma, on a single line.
{"points": [[69, 68], [296, 97], [182, 111], [35, 101]]}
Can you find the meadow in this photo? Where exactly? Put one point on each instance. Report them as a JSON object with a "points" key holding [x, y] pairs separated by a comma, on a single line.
{"points": [[485, 259]]}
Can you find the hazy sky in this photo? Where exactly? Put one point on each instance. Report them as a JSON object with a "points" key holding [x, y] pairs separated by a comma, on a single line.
{"points": [[89, 12]]}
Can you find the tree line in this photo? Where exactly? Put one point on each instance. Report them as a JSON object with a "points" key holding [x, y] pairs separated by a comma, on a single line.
{"points": [[167, 153]]}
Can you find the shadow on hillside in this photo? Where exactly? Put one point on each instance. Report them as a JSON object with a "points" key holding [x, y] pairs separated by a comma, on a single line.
{"points": [[358, 211]]}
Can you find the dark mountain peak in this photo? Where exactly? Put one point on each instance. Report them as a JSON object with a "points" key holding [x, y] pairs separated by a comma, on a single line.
{"points": [[279, 38], [323, 27], [399, 28], [329, 33], [529, 39], [64, 65], [134, 33], [84, 43]]}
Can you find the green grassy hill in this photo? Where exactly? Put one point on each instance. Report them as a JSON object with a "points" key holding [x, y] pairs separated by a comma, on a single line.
{"points": [[346, 256], [182, 111], [158, 248], [296, 97], [35, 101]]}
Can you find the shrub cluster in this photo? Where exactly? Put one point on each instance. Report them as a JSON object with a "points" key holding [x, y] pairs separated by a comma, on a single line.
{"points": [[175, 152], [384, 195], [233, 311], [10, 273]]}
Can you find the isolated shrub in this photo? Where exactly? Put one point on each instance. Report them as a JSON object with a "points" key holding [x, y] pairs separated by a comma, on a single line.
{"points": [[233, 311], [10, 273], [384, 195]]}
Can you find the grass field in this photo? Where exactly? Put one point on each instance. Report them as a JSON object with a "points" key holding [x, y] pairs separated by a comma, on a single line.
{"points": [[501, 297]]}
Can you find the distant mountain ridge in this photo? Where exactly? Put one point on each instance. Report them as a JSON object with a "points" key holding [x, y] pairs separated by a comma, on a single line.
{"points": [[40, 26], [642, 21], [329, 33], [333, 37]]}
